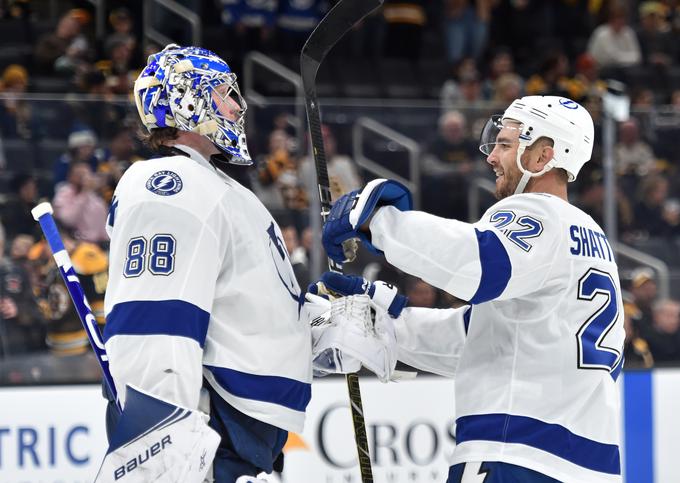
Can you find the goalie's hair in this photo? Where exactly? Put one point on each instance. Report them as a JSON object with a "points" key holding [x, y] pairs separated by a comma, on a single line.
{"points": [[157, 137]]}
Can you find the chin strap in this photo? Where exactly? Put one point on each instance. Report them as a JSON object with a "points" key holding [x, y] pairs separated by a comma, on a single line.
{"points": [[527, 175]]}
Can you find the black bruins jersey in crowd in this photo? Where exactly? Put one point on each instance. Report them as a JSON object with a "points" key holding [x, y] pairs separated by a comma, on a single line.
{"points": [[65, 333]]}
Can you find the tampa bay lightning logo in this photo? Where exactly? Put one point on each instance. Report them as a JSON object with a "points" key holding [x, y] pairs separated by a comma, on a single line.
{"points": [[569, 104], [164, 183]]}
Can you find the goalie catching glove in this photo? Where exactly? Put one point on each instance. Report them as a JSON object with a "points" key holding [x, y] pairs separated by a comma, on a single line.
{"points": [[355, 208], [358, 331], [351, 338]]}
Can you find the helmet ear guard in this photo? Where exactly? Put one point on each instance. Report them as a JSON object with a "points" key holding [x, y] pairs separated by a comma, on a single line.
{"points": [[179, 88]]}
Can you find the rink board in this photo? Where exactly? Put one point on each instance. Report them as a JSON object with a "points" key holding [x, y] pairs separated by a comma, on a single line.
{"points": [[56, 434]]}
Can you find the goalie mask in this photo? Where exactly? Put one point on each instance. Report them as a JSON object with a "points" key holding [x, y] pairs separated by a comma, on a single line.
{"points": [[565, 122], [192, 89]]}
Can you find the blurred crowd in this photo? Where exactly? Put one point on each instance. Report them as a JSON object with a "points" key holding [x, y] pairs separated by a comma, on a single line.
{"points": [[487, 48]]}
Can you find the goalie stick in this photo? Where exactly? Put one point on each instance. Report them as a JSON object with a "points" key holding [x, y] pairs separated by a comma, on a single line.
{"points": [[342, 17], [42, 213]]}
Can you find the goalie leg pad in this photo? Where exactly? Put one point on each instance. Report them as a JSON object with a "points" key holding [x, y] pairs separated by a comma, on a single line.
{"points": [[156, 440]]}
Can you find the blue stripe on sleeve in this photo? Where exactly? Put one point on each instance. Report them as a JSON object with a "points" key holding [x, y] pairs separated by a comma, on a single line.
{"points": [[552, 438], [158, 317], [272, 389], [496, 267], [639, 424]]}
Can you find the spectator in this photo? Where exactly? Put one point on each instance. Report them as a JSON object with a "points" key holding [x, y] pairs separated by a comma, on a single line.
{"points": [[615, 44], [508, 87], [450, 151], [633, 155], [466, 93], [297, 255], [16, 114], [122, 23], [405, 22], [644, 291], [16, 211], [78, 206], [82, 147], [653, 194], [591, 200], [664, 339], [21, 328], [657, 43], [501, 63], [635, 349], [65, 333], [342, 171], [279, 186], [552, 78], [466, 28], [120, 155], [19, 250], [66, 49], [117, 67], [448, 161], [586, 82]]}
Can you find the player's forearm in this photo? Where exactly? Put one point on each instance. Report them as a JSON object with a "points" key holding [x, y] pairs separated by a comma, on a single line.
{"points": [[431, 339]]}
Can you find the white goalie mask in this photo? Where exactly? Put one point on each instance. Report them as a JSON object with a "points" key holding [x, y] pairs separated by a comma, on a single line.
{"points": [[192, 89], [565, 122]]}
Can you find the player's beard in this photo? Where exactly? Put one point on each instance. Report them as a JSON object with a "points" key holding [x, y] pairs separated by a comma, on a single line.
{"points": [[507, 184]]}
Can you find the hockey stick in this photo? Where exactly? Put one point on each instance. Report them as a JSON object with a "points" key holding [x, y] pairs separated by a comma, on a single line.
{"points": [[43, 214], [342, 17]]}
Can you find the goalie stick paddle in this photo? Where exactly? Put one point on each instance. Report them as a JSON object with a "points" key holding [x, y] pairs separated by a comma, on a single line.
{"points": [[341, 18]]}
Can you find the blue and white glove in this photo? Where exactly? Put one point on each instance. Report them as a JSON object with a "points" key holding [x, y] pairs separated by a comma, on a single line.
{"points": [[352, 210], [384, 296]]}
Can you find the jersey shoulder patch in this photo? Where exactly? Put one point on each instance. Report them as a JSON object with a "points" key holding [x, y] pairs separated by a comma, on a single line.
{"points": [[164, 183]]}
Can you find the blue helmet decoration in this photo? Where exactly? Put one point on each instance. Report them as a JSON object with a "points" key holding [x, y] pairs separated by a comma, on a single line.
{"points": [[192, 89]]}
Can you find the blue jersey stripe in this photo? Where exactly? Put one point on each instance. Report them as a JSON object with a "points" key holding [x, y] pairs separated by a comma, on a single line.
{"points": [[638, 415], [466, 319], [496, 267], [272, 389], [158, 317], [552, 438]]}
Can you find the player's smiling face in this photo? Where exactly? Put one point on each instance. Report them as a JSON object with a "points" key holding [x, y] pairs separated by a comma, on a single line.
{"points": [[503, 160]]}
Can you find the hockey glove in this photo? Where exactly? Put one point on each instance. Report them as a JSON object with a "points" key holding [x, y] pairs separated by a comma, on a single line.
{"points": [[350, 338], [384, 296], [352, 210]]}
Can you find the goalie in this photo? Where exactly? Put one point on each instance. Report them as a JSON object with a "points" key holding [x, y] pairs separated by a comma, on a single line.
{"points": [[192, 252]]}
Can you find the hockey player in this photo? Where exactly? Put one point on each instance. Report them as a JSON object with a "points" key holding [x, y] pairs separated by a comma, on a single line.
{"points": [[192, 252], [537, 350]]}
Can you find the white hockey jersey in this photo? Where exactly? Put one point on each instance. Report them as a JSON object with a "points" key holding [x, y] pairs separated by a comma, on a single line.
{"points": [[200, 285], [537, 352]]}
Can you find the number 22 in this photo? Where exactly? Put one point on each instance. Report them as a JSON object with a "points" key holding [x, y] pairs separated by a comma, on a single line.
{"points": [[529, 227]]}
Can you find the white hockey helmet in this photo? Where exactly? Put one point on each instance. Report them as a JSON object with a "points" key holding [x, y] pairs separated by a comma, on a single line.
{"points": [[566, 122]]}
